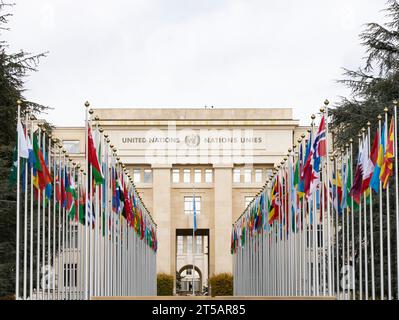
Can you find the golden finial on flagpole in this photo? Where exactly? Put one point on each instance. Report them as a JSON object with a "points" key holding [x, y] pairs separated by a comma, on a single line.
{"points": [[386, 110], [326, 102], [379, 117], [87, 104]]}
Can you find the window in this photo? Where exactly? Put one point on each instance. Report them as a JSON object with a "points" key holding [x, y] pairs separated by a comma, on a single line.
{"points": [[197, 176], [189, 244], [180, 240], [72, 146], [147, 176], [188, 205], [186, 176], [71, 274], [176, 175], [258, 175], [269, 173], [136, 175], [309, 236], [198, 245], [208, 175], [248, 200], [247, 175], [237, 176]]}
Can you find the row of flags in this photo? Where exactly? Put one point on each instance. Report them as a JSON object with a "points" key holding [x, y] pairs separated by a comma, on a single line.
{"points": [[125, 200], [298, 180], [93, 204]]}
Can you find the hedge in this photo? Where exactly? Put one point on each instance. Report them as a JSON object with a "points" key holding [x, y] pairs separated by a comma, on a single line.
{"points": [[165, 284], [222, 285]]}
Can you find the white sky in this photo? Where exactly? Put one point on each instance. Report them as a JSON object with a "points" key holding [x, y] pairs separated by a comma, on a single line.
{"points": [[189, 53]]}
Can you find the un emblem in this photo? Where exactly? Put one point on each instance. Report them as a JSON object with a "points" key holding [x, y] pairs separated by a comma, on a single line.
{"points": [[193, 141]]}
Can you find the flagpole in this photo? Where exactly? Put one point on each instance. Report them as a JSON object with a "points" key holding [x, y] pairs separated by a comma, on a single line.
{"points": [[360, 229], [31, 219], [365, 224], [193, 249], [18, 205], [395, 103], [326, 103], [371, 226], [86, 236], [26, 211], [388, 217]]}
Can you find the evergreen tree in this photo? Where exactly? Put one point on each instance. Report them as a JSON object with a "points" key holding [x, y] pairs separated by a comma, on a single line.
{"points": [[13, 69], [374, 86]]}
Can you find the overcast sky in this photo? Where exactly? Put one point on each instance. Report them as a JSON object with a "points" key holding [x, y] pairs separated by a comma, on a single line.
{"points": [[189, 53]]}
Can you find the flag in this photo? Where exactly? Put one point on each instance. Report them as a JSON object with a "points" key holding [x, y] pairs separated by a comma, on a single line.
{"points": [[43, 173], [375, 179], [356, 190], [71, 196], [387, 165], [93, 160], [275, 202], [22, 142], [367, 165], [194, 214]]}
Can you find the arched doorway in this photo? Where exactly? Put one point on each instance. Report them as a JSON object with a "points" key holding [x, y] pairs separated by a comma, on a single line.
{"points": [[186, 283]]}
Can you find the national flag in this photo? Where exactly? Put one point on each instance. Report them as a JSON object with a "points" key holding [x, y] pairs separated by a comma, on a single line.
{"points": [[93, 160], [367, 165], [275, 202], [43, 173], [387, 166], [375, 179], [22, 142], [194, 214], [356, 190]]}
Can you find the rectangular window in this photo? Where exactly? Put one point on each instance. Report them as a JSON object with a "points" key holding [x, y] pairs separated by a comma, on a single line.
{"points": [[189, 205], [71, 274], [147, 176], [248, 200], [237, 176], [208, 175], [269, 173], [190, 244], [176, 175], [180, 241], [187, 176], [258, 176], [72, 146], [197, 176], [136, 175], [198, 244], [247, 175]]}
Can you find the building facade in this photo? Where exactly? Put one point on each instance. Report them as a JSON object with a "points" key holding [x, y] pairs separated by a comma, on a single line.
{"points": [[217, 158]]}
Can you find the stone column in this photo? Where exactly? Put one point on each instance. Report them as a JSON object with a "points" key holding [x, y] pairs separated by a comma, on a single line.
{"points": [[223, 217], [162, 216]]}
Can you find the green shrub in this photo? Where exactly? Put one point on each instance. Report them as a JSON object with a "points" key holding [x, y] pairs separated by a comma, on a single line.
{"points": [[222, 285], [165, 284]]}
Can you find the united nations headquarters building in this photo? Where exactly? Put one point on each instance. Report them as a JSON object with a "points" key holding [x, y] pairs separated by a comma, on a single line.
{"points": [[219, 157]]}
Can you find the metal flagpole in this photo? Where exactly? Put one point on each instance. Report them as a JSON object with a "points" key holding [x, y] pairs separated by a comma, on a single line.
{"points": [[25, 212], [388, 217], [360, 229], [194, 229], [86, 235], [371, 227], [326, 103], [31, 219], [366, 289], [395, 103], [353, 274], [17, 297]]}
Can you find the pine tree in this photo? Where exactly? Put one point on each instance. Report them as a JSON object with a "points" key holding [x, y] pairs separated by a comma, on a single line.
{"points": [[13, 69]]}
